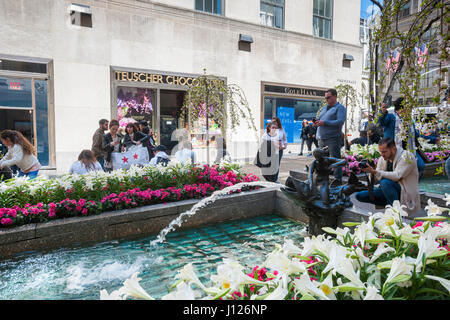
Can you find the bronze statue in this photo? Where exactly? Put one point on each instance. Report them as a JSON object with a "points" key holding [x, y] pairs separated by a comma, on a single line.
{"points": [[321, 202]]}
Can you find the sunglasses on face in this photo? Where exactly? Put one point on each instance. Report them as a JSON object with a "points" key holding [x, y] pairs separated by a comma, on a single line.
{"points": [[326, 98]]}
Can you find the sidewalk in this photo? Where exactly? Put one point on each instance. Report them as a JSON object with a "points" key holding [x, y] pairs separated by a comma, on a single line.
{"points": [[288, 162]]}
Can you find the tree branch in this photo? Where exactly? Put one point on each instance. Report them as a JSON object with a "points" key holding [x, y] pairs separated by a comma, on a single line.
{"points": [[378, 4]]}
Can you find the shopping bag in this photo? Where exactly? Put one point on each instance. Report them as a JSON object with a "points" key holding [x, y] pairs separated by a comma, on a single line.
{"points": [[135, 155]]}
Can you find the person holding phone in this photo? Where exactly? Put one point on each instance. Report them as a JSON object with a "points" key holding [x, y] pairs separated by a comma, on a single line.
{"points": [[329, 132]]}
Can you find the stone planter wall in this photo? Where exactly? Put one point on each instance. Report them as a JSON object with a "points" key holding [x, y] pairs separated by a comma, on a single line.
{"points": [[146, 220]]}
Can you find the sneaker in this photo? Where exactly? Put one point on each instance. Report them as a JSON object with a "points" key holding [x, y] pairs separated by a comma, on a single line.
{"points": [[300, 154], [309, 155]]}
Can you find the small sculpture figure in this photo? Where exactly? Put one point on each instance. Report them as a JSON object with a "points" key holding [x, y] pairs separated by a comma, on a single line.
{"points": [[321, 202]]}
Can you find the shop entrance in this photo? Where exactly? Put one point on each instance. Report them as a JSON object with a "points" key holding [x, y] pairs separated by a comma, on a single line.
{"points": [[171, 102]]}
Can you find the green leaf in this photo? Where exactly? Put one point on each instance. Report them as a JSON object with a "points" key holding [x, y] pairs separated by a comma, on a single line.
{"points": [[329, 230], [438, 254], [378, 240], [220, 295], [385, 265], [432, 218], [347, 288], [408, 239], [351, 224], [400, 278]]}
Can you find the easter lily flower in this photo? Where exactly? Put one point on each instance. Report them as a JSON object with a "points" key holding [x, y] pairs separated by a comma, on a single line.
{"points": [[399, 267], [372, 294], [432, 209], [183, 292], [131, 287]]}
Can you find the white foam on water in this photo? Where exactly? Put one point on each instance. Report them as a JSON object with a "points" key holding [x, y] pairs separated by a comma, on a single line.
{"points": [[81, 275], [203, 203]]}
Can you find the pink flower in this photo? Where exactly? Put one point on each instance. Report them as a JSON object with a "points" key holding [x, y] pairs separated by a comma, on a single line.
{"points": [[6, 221]]}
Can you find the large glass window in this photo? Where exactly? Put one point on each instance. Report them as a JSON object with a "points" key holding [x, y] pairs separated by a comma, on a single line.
{"points": [[211, 6], [323, 18], [272, 13], [18, 113], [291, 113], [134, 104]]}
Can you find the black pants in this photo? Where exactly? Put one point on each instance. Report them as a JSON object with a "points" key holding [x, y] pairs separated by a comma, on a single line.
{"points": [[309, 143]]}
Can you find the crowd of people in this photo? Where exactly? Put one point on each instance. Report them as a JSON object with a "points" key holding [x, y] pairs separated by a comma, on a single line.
{"points": [[398, 170]]}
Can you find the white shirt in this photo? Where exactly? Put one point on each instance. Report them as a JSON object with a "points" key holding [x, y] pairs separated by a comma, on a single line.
{"points": [[79, 168], [185, 155], [16, 156]]}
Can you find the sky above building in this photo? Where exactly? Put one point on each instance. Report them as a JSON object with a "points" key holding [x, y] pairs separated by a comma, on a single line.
{"points": [[367, 7]]}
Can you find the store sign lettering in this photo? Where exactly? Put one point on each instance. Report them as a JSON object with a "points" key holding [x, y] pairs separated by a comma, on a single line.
{"points": [[15, 86], [298, 91], [154, 78]]}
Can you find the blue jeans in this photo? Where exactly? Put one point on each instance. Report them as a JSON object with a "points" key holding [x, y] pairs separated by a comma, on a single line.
{"points": [[385, 194], [280, 155], [334, 148], [30, 175], [420, 165], [447, 167], [101, 160]]}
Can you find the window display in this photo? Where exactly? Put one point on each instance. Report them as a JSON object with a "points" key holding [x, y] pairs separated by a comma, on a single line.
{"points": [[134, 104]]}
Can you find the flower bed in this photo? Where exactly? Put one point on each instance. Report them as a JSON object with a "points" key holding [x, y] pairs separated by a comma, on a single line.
{"points": [[29, 201], [383, 258]]}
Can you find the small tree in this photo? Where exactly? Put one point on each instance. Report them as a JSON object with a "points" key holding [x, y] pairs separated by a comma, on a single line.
{"points": [[395, 56], [209, 97]]}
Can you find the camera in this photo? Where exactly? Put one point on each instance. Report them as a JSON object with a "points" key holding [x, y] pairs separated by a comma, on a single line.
{"points": [[363, 164]]}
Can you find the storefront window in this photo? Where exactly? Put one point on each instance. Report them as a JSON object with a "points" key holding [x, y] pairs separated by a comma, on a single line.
{"points": [[134, 104], [42, 148], [291, 113], [17, 112]]}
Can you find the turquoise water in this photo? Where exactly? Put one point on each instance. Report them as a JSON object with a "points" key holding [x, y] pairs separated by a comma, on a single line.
{"points": [[81, 272], [439, 184]]}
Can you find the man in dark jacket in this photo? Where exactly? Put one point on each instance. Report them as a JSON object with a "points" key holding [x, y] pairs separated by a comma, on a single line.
{"points": [[311, 137], [97, 141]]}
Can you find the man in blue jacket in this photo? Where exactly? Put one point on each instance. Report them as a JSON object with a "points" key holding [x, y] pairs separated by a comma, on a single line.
{"points": [[329, 131]]}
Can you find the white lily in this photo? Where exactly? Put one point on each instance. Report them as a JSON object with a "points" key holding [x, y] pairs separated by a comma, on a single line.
{"points": [[289, 248], [187, 274], [398, 267], [115, 295], [278, 260], [305, 284], [427, 246], [345, 267], [336, 254], [372, 294], [326, 286], [281, 290], [183, 292], [398, 208], [381, 249], [445, 282], [230, 275], [432, 209], [132, 288], [363, 232]]}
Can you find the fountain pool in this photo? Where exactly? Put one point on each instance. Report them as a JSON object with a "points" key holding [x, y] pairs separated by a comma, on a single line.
{"points": [[80, 272], [440, 184]]}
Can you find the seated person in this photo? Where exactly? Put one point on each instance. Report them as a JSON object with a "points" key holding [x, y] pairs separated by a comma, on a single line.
{"points": [[86, 163], [160, 157], [185, 154], [398, 177]]}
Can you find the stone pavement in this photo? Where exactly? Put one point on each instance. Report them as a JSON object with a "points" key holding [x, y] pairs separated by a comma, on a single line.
{"points": [[288, 162]]}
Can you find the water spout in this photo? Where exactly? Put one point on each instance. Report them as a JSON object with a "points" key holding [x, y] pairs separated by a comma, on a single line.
{"points": [[206, 201]]}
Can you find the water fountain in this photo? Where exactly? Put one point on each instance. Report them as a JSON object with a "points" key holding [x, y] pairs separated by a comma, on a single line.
{"points": [[322, 203]]}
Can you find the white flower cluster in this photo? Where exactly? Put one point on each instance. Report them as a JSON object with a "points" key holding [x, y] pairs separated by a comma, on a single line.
{"points": [[370, 263]]}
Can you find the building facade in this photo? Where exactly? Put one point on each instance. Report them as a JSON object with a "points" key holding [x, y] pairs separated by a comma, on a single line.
{"points": [[67, 64]]}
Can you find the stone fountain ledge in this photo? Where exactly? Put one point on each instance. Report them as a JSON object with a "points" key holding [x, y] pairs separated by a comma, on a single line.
{"points": [[150, 220], [142, 221], [437, 198]]}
